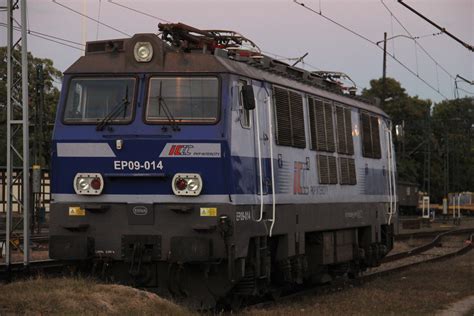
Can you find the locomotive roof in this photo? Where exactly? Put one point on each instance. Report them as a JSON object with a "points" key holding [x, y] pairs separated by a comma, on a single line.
{"points": [[117, 57]]}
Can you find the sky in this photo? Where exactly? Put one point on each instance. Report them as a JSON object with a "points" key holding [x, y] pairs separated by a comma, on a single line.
{"points": [[287, 29]]}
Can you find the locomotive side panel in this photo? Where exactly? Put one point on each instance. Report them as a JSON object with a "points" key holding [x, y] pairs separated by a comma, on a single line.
{"points": [[303, 205]]}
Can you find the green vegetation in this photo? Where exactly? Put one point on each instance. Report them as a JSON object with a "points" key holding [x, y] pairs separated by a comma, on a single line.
{"points": [[437, 139], [51, 81]]}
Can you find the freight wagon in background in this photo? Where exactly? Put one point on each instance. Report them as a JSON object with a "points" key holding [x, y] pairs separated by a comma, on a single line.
{"points": [[197, 166]]}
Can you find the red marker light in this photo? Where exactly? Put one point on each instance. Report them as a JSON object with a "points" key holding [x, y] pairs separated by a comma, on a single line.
{"points": [[181, 184], [96, 184]]}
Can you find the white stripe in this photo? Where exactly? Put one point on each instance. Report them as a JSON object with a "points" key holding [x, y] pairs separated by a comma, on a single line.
{"points": [[139, 198], [235, 199], [84, 150]]}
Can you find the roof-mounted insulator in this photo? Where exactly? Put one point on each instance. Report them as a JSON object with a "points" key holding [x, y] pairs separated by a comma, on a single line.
{"points": [[188, 38]]}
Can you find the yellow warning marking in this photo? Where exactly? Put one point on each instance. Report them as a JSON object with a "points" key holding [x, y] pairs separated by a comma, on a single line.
{"points": [[76, 211], [208, 211]]}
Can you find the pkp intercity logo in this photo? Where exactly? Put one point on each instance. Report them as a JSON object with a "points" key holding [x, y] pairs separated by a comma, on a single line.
{"points": [[180, 150], [195, 150]]}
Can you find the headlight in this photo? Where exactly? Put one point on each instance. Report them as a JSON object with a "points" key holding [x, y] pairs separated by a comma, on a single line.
{"points": [[143, 52], [83, 184], [88, 183], [194, 185], [189, 184]]}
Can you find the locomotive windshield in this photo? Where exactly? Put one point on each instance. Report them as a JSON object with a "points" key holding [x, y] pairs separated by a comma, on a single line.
{"points": [[183, 99], [90, 100]]}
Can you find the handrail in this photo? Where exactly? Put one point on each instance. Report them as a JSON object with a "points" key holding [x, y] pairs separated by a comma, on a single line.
{"points": [[270, 132], [257, 125], [391, 174]]}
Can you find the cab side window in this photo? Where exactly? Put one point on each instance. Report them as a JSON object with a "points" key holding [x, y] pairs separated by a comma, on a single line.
{"points": [[245, 115]]}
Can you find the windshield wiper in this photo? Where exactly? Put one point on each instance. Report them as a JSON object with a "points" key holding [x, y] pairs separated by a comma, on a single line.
{"points": [[123, 105], [166, 110]]}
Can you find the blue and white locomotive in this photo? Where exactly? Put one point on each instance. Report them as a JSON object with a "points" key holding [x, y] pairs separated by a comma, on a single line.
{"points": [[213, 173]]}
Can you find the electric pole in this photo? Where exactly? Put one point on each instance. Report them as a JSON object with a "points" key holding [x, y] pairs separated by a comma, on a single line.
{"points": [[384, 73], [17, 124]]}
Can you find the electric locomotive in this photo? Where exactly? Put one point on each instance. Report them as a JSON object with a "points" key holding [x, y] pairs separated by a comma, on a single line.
{"points": [[195, 165]]}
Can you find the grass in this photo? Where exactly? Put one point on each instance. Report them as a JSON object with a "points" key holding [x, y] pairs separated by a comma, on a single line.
{"points": [[74, 296], [418, 291]]}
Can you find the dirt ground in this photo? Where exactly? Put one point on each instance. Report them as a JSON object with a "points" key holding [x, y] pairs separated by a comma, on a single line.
{"points": [[418, 291]]}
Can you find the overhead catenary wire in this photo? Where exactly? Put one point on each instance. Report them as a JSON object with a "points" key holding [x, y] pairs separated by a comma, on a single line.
{"points": [[437, 64], [465, 91], [92, 19], [415, 39], [429, 35], [375, 44], [51, 38], [57, 42], [285, 58], [456, 88], [466, 45], [138, 11]]}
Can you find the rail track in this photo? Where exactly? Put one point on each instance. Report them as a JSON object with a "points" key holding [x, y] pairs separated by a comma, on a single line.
{"points": [[18, 270], [435, 242], [53, 267], [342, 284], [39, 238]]}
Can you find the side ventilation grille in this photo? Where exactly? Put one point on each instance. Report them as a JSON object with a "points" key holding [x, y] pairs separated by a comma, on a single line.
{"points": [[327, 167], [345, 144], [348, 173], [370, 136], [297, 120], [289, 118], [283, 116], [322, 126]]}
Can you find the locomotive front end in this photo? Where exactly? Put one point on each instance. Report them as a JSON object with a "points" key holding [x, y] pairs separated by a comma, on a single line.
{"points": [[139, 167]]}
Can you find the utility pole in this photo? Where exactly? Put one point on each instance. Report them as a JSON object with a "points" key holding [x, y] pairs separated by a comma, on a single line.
{"points": [[38, 153], [446, 163], [384, 73], [17, 123], [427, 155]]}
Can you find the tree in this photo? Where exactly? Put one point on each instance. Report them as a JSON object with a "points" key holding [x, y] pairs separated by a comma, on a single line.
{"points": [[411, 113], [445, 129], [51, 77], [453, 126]]}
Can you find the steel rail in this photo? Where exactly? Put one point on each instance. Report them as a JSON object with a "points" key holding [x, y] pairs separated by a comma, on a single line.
{"points": [[459, 252], [339, 285], [428, 246], [36, 238], [41, 267]]}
